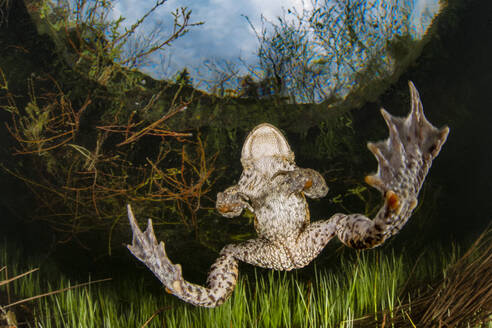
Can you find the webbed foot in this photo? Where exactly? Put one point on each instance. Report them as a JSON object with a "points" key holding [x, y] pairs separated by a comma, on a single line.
{"points": [[221, 280], [404, 160], [406, 156], [146, 248]]}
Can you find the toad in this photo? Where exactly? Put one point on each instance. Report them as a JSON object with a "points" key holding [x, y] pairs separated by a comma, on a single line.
{"points": [[274, 188]]}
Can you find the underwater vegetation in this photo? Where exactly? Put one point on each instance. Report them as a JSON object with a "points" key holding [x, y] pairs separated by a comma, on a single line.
{"points": [[443, 288], [74, 126]]}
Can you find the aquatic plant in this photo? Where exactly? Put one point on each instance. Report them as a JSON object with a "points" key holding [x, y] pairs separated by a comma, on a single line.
{"points": [[466, 290], [82, 166], [370, 289], [11, 312], [4, 11]]}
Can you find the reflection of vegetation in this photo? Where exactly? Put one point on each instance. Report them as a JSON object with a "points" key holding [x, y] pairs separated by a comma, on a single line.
{"points": [[365, 290], [102, 44], [335, 49], [183, 78]]}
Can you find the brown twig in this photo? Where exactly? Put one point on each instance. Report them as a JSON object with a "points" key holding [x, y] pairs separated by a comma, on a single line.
{"points": [[151, 126]]}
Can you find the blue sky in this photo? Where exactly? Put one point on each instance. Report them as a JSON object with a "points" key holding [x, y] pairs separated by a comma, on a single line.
{"points": [[226, 34]]}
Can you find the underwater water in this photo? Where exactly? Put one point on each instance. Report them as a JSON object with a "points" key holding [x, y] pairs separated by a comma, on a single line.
{"points": [[85, 134]]}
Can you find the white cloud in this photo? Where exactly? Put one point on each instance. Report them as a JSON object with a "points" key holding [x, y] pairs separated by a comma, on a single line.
{"points": [[423, 13], [226, 34]]}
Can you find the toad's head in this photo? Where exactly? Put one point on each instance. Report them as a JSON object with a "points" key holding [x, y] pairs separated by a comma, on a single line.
{"points": [[266, 150]]}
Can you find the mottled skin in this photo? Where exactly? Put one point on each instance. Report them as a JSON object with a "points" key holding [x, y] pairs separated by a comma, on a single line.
{"points": [[274, 188]]}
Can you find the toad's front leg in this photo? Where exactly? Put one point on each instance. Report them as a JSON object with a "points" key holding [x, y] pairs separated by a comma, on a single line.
{"points": [[231, 202], [307, 181]]}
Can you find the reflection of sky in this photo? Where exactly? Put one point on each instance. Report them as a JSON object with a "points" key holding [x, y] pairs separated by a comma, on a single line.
{"points": [[226, 34]]}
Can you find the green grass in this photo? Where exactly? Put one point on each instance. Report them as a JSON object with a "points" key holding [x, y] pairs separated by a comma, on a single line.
{"points": [[364, 287]]}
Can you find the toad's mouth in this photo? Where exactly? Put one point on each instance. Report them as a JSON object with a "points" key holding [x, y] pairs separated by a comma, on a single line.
{"points": [[263, 141]]}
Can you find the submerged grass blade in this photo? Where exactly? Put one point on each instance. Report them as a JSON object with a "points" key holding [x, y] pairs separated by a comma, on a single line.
{"points": [[364, 290]]}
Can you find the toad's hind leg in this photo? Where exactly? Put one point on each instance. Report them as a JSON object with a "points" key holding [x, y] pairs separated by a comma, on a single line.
{"points": [[404, 160], [221, 279]]}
